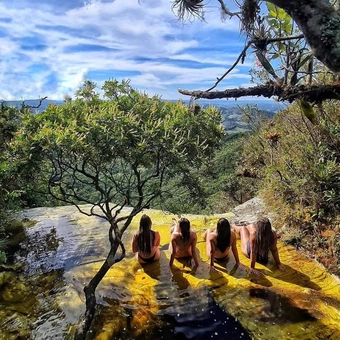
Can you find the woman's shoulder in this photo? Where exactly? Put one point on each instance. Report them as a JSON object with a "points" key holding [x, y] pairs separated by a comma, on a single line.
{"points": [[193, 233], [175, 235]]}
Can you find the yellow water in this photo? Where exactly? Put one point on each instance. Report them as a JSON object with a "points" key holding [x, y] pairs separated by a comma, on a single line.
{"points": [[301, 303]]}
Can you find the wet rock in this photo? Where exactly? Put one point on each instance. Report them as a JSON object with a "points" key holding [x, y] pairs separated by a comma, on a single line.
{"points": [[15, 234], [15, 325], [6, 277], [15, 293]]}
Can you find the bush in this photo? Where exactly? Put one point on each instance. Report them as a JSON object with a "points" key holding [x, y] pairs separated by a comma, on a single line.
{"points": [[299, 164]]}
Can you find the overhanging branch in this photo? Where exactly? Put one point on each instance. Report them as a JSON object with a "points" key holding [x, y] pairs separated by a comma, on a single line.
{"points": [[255, 42], [226, 11], [313, 94]]}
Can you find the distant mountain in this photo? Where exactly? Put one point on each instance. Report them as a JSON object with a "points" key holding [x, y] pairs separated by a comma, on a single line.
{"points": [[231, 112], [270, 105], [232, 115], [33, 103]]}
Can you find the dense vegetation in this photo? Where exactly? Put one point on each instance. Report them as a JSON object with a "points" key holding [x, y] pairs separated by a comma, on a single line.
{"points": [[221, 186], [297, 161], [11, 188]]}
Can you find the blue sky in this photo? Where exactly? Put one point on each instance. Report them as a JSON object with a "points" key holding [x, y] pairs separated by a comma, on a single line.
{"points": [[48, 47]]}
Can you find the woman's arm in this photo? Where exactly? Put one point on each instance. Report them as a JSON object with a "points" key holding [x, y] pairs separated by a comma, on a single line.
{"points": [[212, 254], [234, 249], [173, 250], [275, 254], [157, 239], [135, 243], [252, 252], [253, 255], [194, 251]]}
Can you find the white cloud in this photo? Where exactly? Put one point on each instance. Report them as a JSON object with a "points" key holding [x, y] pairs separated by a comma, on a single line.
{"points": [[50, 54]]}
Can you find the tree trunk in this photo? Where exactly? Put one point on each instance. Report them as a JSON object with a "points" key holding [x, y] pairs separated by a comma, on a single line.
{"points": [[319, 21], [90, 293]]}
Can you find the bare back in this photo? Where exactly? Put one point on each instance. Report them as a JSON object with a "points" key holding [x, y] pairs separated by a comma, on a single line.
{"points": [[183, 248]]}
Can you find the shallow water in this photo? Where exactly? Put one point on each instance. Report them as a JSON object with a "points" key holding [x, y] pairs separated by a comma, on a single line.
{"points": [[65, 249]]}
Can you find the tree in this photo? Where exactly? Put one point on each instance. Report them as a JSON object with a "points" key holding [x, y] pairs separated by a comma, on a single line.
{"points": [[10, 119], [317, 20], [113, 154]]}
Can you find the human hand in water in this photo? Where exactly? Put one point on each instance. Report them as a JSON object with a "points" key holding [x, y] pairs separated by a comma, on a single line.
{"points": [[194, 268], [281, 267], [241, 266], [255, 272]]}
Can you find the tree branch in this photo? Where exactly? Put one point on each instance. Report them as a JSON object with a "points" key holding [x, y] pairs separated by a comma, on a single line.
{"points": [[226, 11], [314, 94], [33, 107], [242, 55]]}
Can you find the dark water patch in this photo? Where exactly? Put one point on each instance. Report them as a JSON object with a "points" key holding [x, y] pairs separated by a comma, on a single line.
{"points": [[210, 322], [280, 309]]}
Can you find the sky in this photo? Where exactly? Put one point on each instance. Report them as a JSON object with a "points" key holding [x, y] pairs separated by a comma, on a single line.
{"points": [[49, 47]]}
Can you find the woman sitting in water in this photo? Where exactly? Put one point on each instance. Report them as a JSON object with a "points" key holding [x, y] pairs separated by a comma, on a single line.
{"points": [[256, 241], [183, 242], [219, 242], [145, 244]]}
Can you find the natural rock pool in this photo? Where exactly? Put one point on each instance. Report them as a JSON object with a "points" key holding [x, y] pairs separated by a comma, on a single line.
{"points": [[64, 249]]}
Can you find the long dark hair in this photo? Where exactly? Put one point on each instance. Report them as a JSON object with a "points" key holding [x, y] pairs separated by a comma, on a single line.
{"points": [[264, 239], [146, 237], [223, 234], [184, 226]]}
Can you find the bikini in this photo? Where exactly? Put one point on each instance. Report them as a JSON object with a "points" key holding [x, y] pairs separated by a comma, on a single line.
{"points": [[221, 259], [149, 259]]}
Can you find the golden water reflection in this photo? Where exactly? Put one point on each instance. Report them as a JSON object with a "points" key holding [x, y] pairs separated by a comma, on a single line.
{"points": [[154, 302]]}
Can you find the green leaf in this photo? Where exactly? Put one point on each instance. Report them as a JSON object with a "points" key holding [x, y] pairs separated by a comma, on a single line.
{"points": [[273, 23], [281, 14], [271, 7]]}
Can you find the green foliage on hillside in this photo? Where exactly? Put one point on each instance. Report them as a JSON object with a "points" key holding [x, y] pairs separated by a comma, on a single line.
{"points": [[298, 161], [221, 187], [10, 191], [122, 149]]}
